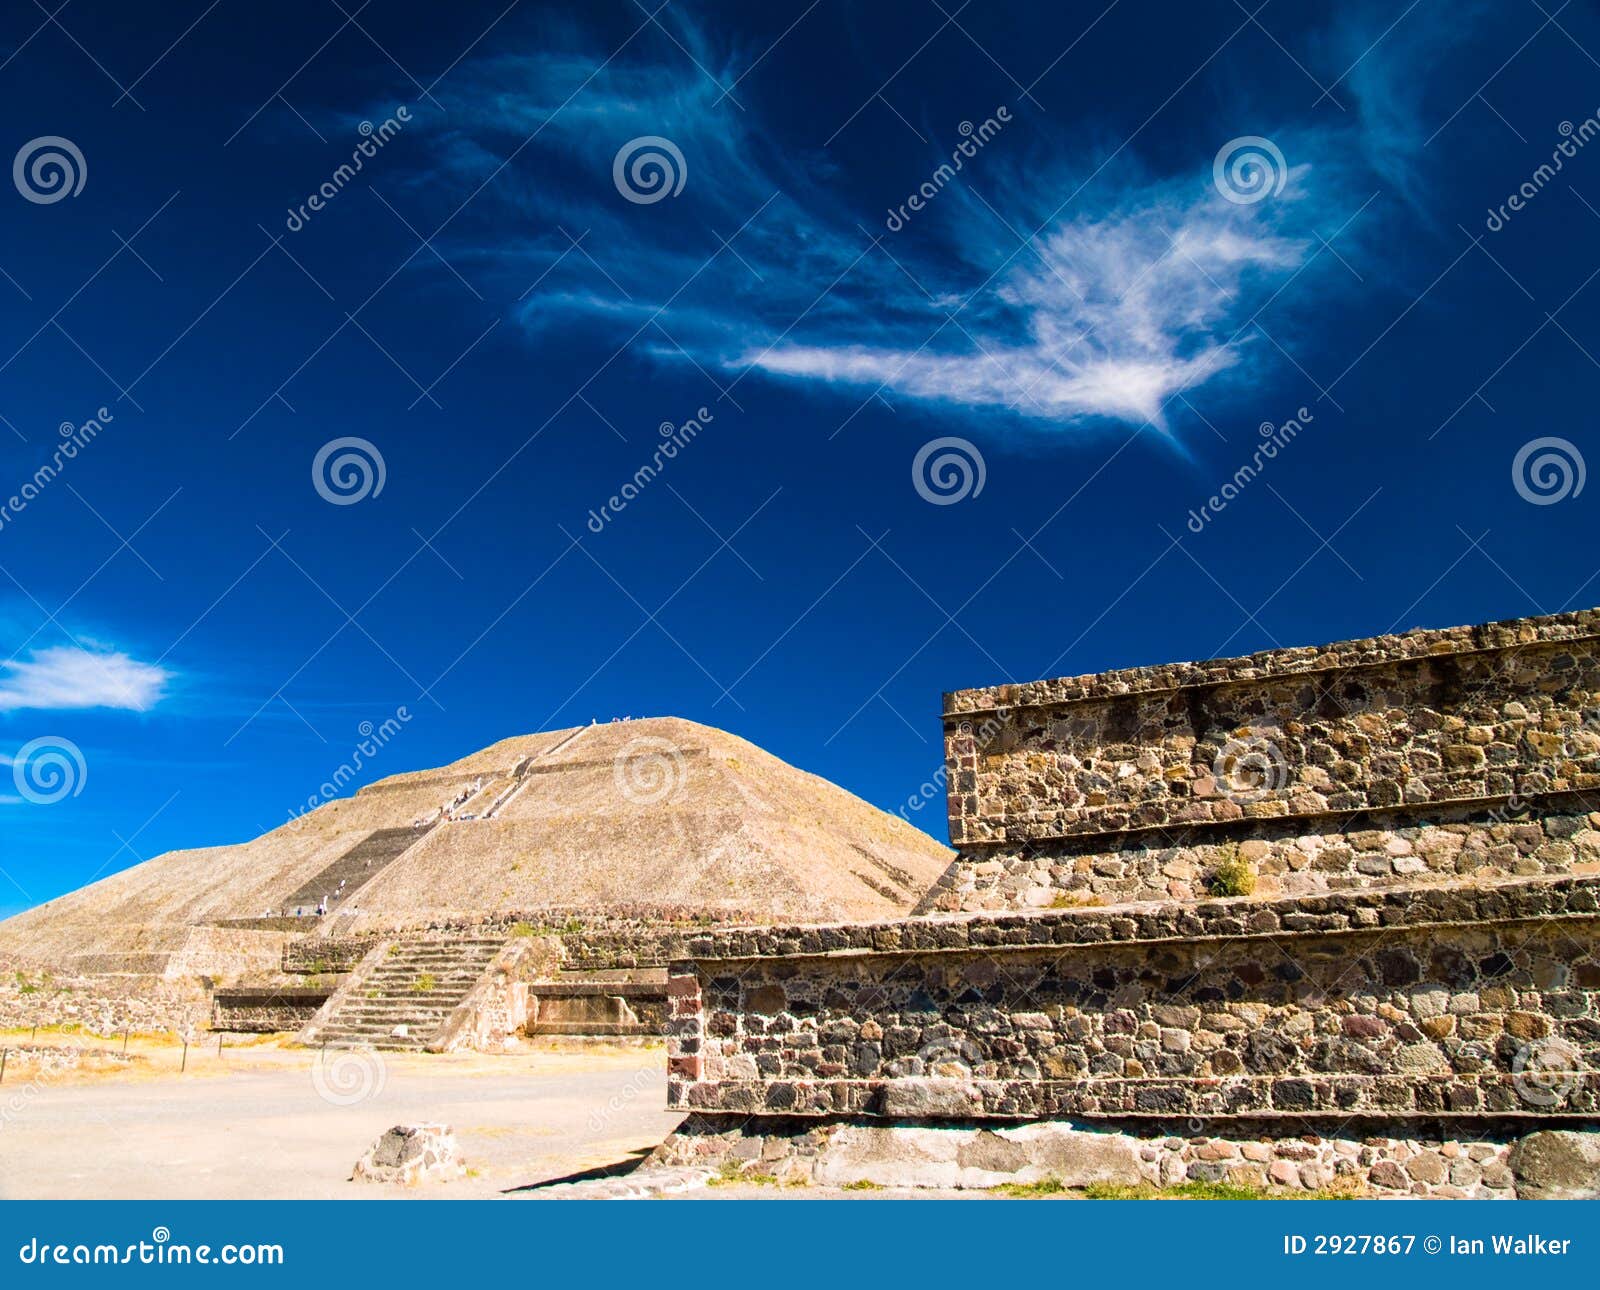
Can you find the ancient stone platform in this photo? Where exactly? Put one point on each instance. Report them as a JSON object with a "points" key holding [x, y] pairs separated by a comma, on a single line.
{"points": [[1308, 918], [1463, 754]]}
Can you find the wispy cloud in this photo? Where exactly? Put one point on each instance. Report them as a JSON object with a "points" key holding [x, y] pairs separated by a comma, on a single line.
{"points": [[1117, 312], [1143, 288], [66, 676]]}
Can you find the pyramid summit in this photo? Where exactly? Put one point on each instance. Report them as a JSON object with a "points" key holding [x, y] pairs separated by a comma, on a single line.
{"points": [[659, 819]]}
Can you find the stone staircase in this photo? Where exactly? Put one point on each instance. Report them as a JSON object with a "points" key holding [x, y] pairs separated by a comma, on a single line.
{"points": [[521, 775], [413, 989], [355, 868]]}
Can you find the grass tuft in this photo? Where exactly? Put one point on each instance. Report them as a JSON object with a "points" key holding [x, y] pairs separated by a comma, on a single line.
{"points": [[1030, 1190], [1232, 876], [1196, 1190]]}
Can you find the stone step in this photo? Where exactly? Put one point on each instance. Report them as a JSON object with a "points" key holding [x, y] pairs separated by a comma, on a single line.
{"points": [[388, 996], [408, 977]]}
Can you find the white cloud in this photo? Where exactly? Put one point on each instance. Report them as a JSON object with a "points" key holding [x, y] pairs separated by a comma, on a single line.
{"points": [[1105, 316], [1145, 290], [66, 676]]}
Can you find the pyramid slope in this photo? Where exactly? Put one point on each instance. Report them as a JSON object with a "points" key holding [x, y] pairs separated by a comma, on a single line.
{"points": [[661, 813]]}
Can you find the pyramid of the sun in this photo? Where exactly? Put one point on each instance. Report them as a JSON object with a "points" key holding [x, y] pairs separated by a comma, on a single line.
{"points": [[660, 818]]}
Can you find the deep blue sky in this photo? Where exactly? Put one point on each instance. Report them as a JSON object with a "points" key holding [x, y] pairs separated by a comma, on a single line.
{"points": [[1081, 303]]}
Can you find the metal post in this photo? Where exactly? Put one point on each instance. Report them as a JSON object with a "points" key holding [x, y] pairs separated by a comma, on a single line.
{"points": [[185, 1065], [219, 1046], [125, 1040], [4, 1053]]}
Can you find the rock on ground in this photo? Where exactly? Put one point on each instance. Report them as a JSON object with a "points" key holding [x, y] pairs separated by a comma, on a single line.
{"points": [[411, 1154]]}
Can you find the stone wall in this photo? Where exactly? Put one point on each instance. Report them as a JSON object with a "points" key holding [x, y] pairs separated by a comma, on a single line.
{"points": [[100, 1005], [1312, 917], [1468, 752], [316, 955], [1292, 856], [266, 1011], [1391, 1005]]}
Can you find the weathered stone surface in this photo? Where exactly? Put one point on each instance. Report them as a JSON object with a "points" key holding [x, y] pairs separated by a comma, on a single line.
{"points": [[1557, 1164], [1405, 958], [964, 1157], [1077, 1155], [409, 1154], [1426, 756], [1097, 1013], [941, 1098]]}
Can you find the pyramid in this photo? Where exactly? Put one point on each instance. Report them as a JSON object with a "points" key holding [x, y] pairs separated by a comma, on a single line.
{"points": [[659, 819]]}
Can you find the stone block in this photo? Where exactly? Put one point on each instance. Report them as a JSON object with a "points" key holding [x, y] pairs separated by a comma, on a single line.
{"points": [[409, 1154], [1557, 1164], [964, 1157]]}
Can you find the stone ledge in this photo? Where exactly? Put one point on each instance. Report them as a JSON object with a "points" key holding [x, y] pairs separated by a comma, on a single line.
{"points": [[1117, 827], [1286, 1100], [1408, 1159], [1344, 656], [1343, 913]]}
